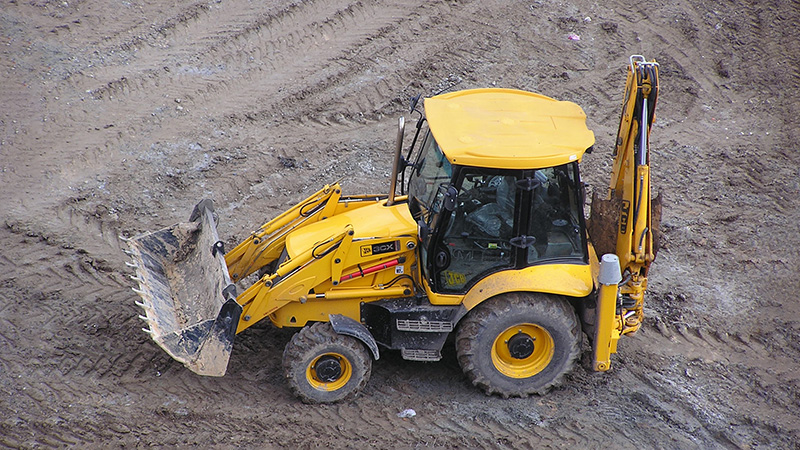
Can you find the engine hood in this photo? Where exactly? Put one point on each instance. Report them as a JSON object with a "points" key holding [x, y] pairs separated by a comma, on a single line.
{"points": [[375, 220]]}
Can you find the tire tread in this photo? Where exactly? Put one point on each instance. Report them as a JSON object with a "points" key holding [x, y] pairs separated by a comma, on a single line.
{"points": [[493, 310], [317, 336]]}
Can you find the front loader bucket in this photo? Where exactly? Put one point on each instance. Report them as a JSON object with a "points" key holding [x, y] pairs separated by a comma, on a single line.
{"points": [[187, 292]]}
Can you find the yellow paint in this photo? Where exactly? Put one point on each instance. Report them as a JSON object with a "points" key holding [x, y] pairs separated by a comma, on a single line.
{"points": [[574, 280], [296, 314], [507, 128], [630, 182], [317, 383], [543, 350], [607, 331], [289, 295], [266, 243], [374, 220]]}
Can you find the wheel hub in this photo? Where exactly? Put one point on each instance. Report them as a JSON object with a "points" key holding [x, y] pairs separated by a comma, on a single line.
{"points": [[328, 369], [522, 350], [520, 346]]}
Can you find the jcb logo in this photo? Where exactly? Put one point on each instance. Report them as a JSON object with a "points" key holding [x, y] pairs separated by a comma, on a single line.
{"points": [[454, 278], [623, 216], [377, 249]]}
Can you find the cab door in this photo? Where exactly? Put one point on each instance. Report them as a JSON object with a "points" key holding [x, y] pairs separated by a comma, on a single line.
{"points": [[474, 235]]}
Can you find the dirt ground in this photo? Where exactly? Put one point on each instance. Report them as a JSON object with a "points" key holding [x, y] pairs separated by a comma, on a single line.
{"points": [[118, 116]]}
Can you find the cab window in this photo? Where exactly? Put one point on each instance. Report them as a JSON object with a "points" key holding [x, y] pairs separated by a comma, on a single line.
{"points": [[555, 216], [431, 171], [476, 235]]}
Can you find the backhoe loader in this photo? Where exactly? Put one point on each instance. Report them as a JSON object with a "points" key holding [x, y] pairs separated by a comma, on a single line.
{"points": [[486, 243]]}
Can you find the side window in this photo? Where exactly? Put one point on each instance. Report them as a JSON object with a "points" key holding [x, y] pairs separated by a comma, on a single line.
{"points": [[477, 233], [555, 216], [432, 170]]}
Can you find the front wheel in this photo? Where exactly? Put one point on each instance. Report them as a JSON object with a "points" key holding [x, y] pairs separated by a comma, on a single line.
{"points": [[322, 366], [517, 344]]}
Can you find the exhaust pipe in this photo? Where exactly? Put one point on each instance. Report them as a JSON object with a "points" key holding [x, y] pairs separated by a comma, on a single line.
{"points": [[401, 127]]}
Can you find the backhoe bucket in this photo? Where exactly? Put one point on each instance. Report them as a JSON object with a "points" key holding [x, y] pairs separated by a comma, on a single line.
{"points": [[188, 295]]}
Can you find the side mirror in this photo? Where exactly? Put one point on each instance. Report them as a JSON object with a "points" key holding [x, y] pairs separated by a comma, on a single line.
{"points": [[424, 230], [450, 198], [414, 101]]}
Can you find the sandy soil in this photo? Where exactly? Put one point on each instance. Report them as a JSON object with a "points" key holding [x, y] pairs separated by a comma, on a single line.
{"points": [[118, 116]]}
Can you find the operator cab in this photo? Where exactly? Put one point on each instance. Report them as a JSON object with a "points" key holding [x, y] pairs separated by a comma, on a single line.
{"points": [[501, 205]]}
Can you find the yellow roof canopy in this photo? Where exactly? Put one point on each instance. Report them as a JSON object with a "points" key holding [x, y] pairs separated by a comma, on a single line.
{"points": [[507, 129]]}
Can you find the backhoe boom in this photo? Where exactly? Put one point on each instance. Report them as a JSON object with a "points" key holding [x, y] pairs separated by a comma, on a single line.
{"points": [[631, 217]]}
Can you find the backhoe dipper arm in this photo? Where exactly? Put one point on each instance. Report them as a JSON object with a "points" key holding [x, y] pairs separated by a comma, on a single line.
{"points": [[633, 215], [630, 179]]}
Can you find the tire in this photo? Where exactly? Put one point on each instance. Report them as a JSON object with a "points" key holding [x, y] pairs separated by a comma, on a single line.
{"points": [[322, 366], [517, 344]]}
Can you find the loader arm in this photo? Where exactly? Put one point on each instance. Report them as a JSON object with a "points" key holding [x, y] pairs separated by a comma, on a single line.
{"points": [[266, 244], [625, 223], [293, 279], [310, 255]]}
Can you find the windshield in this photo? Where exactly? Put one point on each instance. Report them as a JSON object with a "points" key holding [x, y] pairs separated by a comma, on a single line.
{"points": [[431, 170]]}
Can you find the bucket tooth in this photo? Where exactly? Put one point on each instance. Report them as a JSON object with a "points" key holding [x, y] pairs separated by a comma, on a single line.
{"points": [[146, 298], [147, 308], [132, 264]]}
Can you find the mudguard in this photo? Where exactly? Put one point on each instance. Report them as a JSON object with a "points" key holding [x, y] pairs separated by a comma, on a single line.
{"points": [[350, 327]]}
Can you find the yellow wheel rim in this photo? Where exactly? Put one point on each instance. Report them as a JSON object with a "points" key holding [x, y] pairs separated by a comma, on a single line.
{"points": [[329, 372], [522, 351]]}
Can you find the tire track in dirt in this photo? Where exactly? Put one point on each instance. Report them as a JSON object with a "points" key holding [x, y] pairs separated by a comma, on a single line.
{"points": [[291, 40], [69, 300], [295, 32], [417, 57], [69, 273], [100, 228], [198, 40], [735, 361], [483, 431], [303, 43], [362, 88], [225, 177], [89, 25]]}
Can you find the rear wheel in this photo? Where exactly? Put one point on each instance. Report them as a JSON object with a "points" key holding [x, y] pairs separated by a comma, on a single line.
{"points": [[518, 344], [322, 366]]}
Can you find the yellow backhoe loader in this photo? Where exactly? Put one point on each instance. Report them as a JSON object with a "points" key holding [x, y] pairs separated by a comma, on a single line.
{"points": [[486, 241]]}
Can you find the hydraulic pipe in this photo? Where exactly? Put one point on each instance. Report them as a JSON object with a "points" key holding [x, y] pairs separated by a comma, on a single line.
{"points": [[370, 270]]}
